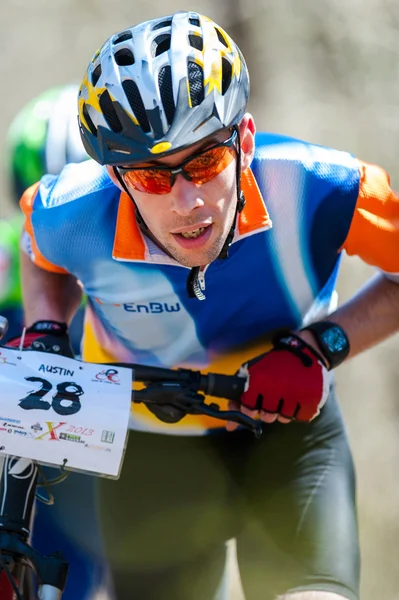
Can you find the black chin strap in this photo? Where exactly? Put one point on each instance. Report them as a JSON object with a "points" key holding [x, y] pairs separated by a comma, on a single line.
{"points": [[224, 253], [193, 286]]}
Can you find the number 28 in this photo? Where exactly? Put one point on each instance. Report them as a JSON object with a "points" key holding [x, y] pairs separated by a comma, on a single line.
{"points": [[67, 391]]}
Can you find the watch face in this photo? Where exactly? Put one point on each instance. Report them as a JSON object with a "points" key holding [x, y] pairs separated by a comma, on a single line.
{"points": [[334, 339]]}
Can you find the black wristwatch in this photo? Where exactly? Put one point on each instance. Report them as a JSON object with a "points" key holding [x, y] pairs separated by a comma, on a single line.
{"points": [[332, 340]]}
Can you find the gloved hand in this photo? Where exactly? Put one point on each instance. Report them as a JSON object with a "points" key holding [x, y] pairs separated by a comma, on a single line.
{"points": [[289, 382], [45, 336]]}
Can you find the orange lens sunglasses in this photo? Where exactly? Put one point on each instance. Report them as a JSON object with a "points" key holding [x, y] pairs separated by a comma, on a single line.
{"points": [[199, 168]]}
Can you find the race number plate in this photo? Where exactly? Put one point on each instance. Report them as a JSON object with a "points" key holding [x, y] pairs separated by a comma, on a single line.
{"points": [[60, 411]]}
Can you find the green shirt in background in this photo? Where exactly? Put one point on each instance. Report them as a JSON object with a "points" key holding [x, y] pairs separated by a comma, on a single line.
{"points": [[10, 286]]}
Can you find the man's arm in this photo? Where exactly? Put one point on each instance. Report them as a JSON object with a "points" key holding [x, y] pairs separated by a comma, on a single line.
{"points": [[47, 295], [282, 387], [49, 292], [373, 313], [369, 317]]}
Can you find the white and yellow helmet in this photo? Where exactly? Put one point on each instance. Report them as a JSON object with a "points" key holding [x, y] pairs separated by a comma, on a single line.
{"points": [[159, 87]]}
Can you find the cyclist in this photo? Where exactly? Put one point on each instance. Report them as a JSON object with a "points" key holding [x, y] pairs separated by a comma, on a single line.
{"points": [[182, 194], [43, 138]]}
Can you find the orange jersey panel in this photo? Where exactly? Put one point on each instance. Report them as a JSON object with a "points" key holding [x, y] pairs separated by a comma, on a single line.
{"points": [[26, 204], [374, 231]]}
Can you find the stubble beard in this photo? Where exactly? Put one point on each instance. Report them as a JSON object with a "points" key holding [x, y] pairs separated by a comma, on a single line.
{"points": [[187, 258], [204, 258]]}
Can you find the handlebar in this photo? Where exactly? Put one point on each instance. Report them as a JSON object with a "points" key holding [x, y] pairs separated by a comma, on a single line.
{"points": [[171, 394], [230, 387]]}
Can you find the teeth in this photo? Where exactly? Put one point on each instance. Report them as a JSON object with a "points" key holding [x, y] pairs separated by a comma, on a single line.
{"points": [[193, 234]]}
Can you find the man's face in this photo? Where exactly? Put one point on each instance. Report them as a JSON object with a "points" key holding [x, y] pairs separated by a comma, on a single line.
{"points": [[191, 221]]}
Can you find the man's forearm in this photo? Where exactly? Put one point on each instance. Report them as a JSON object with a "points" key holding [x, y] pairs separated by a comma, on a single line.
{"points": [[48, 295], [369, 317]]}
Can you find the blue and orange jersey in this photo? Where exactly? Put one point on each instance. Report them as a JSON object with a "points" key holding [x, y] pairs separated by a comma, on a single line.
{"points": [[306, 204]]}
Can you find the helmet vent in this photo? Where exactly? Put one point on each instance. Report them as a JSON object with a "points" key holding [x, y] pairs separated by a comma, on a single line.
{"points": [[95, 76], [136, 103], [196, 41], [123, 37], [196, 83], [194, 21], [161, 44], [88, 120], [162, 24], [166, 91], [227, 73], [109, 112], [124, 57], [221, 37]]}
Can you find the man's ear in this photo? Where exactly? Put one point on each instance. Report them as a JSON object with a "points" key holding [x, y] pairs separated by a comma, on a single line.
{"points": [[247, 136], [113, 177]]}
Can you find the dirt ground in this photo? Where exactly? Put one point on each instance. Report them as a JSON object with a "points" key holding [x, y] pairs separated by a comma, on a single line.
{"points": [[326, 72]]}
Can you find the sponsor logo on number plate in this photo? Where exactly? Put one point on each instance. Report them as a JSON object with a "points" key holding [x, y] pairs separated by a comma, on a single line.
{"points": [[107, 376], [96, 447], [69, 437], [108, 436], [51, 431]]}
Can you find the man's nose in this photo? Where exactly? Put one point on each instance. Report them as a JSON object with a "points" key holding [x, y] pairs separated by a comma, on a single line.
{"points": [[186, 196]]}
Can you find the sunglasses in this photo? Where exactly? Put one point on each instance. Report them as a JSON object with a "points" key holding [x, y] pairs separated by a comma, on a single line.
{"points": [[199, 168]]}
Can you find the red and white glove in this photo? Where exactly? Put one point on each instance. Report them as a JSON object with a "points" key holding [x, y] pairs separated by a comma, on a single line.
{"points": [[291, 382]]}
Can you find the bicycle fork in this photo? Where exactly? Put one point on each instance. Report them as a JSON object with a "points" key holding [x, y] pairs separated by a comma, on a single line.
{"points": [[17, 494]]}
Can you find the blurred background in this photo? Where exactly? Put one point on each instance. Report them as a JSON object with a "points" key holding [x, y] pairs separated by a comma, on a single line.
{"points": [[324, 71]]}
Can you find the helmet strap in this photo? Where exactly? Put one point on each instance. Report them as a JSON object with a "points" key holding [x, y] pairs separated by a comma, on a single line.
{"points": [[224, 253], [193, 286]]}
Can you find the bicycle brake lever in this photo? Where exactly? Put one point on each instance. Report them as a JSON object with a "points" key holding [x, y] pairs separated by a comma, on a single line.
{"points": [[171, 401], [232, 415]]}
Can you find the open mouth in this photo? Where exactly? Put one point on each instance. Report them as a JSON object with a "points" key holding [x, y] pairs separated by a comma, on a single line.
{"points": [[193, 234], [194, 238]]}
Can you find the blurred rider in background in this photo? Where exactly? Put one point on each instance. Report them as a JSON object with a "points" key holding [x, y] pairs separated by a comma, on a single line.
{"points": [[42, 139]]}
